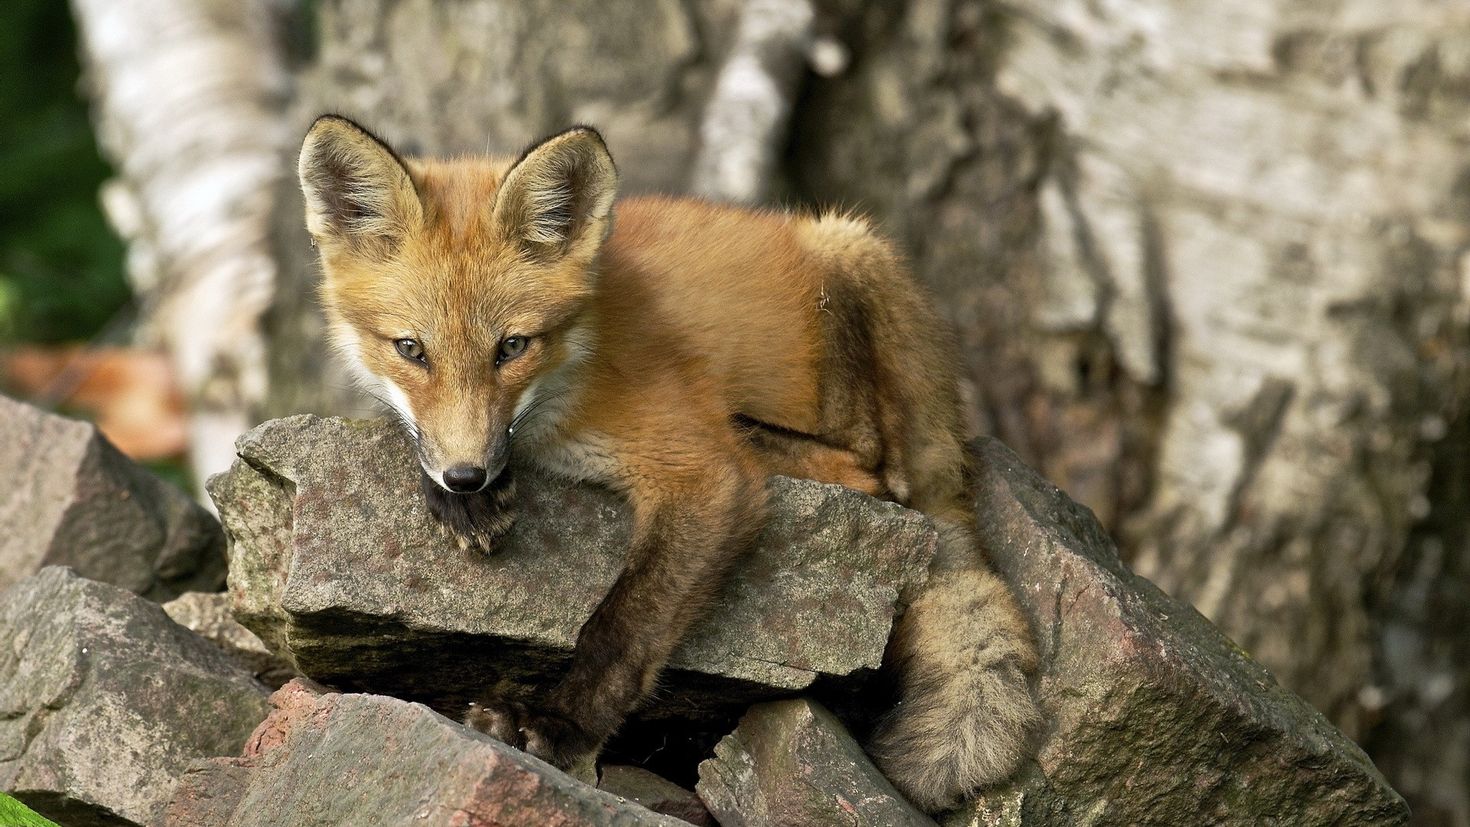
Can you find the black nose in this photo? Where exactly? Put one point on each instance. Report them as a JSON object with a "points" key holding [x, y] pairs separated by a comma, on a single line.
{"points": [[464, 479]]}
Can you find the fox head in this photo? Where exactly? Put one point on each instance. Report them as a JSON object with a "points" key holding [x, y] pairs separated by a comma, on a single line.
{"points": [[457, 290]]}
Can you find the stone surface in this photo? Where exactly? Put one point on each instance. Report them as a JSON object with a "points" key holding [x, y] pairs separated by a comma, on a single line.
{"points": [[332, 759], [74, 500], [655, 792], [792, 764], [335, 563], [207, 614], [104, 701], [1153, 715]]}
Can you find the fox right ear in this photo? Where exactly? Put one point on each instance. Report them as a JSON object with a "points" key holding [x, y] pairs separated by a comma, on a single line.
{"points": [[358, 193]]}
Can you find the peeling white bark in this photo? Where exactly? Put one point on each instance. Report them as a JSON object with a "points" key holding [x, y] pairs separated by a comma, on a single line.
{"points": [[187, 98], [746, 117]]}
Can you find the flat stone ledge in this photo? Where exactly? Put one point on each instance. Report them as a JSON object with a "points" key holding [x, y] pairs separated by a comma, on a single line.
{"points": [[337, 565]]}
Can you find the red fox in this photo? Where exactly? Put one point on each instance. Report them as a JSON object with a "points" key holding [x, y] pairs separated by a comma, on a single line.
{"points": [[680, 354]]}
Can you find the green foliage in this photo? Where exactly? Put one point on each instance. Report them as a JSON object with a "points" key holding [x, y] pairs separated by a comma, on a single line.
{"points": [[15, 814], [61, 268]]}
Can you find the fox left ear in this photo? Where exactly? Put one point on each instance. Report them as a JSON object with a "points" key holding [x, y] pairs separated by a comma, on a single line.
{"points": [[556, 201]]}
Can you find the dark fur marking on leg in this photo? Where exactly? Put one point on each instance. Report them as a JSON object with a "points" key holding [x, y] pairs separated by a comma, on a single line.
{"points": [[673, 573], [476, 520]]}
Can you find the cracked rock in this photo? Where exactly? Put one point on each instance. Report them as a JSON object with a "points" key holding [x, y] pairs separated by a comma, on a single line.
{"points": [[656, 793], [74, 500], [1155, 717], [335, 563], [104, 700], [207, 614], [406, 765], [792, 764]]}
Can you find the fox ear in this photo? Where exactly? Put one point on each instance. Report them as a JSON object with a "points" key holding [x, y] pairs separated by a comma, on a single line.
{"points": [[358, 192], [556, 201]]}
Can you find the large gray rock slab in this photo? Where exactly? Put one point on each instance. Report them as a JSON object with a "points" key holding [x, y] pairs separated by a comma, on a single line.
{"points": [[336, 563], [324, 759], [1155, 717], [72, 499], [104, 701], [792, 764]]}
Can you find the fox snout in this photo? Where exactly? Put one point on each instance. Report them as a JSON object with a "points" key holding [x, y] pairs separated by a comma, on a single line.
{"points": [[465, 479], [463, 474]]}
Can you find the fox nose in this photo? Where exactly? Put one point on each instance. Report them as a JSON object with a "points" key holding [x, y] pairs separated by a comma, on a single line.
{"points": [[464, 479]]}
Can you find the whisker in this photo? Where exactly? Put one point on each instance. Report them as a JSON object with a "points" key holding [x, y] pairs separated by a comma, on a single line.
{"points": [[540, 402], [402, 419]]}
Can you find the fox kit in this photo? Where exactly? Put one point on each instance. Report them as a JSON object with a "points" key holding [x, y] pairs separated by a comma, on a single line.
{"points": [[679, 355]]}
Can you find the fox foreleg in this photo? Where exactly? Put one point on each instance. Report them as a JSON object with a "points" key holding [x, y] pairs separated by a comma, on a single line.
{"points": [[474, 521], [682, 551]]}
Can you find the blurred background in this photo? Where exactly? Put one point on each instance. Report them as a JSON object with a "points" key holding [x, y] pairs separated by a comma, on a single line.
{"points": [[1208, 260]]}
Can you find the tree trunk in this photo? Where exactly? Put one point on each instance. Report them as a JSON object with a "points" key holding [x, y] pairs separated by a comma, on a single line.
{"points": [[1208, 262], [188, 95]]}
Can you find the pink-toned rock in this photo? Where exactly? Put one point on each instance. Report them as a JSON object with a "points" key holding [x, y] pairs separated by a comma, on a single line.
{"points": [[656, 793], [323, 758]]}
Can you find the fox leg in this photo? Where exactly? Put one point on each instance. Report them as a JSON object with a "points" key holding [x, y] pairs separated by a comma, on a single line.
{"points": [[962, 653], [474, 520], [682, 549]]}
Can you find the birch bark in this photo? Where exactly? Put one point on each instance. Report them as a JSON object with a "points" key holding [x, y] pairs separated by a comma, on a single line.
{"points": [[187, 97]]}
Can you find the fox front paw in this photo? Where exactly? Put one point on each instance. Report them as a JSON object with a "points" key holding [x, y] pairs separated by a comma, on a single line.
{"points": [[553, 738], [474, 521]]}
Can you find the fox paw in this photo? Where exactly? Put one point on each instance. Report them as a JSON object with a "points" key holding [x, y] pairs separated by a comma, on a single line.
{"points": [[474, 521], [553, 738]]}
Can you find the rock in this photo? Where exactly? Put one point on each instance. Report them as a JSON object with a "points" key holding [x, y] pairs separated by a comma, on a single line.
{"points": [[656, 793], [792, 764], [207, 614], [332, 759], [76, 501], [336, 564], [1155, 717], [104, 701]]}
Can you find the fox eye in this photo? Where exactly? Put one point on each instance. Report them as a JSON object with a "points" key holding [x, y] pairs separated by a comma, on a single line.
{"points": [[511, 347], [411, 349]]}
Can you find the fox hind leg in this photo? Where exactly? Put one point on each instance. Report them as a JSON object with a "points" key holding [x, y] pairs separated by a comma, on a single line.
{"points": [[962, 653]]}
